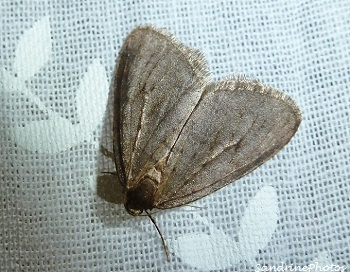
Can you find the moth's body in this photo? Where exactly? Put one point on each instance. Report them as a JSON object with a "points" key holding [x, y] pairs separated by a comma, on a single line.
{"points": [[177, 135], [141, 196]]}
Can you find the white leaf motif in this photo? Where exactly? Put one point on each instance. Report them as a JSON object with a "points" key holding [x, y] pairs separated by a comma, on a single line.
{"points": [[10, 84], [33, 49], [92, 97], [322, 260], [207, 252], [48, 136], [217, 250], [258, 223]]}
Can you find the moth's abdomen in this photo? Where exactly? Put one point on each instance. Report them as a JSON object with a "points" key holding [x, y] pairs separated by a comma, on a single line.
{"points": [[141, 196]]}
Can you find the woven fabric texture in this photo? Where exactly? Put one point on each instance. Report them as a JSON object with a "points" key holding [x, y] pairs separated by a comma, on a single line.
{"points": [[60, 212]]}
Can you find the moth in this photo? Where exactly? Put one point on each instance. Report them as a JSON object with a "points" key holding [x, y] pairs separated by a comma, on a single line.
{"points": [[178, 136]]}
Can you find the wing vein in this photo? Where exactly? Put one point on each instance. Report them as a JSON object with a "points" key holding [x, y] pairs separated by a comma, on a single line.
{"points": [[182, 128], [144, 101], [227, 147]]}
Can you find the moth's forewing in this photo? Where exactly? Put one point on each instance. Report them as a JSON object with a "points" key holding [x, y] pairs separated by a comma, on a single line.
{"points": [[237, 126], [158, 84], [178, 137]]}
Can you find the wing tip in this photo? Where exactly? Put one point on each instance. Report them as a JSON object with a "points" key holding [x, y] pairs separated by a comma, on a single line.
{"points": [[193, 55], [235, 82]]}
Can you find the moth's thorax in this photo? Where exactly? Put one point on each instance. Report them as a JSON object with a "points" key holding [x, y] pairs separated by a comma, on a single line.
{"points": [[141, 195]]}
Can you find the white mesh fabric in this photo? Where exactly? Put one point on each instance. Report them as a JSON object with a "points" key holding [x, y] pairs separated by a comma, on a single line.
{"points": [[57, 61]]}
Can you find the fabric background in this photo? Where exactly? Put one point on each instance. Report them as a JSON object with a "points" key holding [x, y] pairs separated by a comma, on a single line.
{"points": [[59, 213]]}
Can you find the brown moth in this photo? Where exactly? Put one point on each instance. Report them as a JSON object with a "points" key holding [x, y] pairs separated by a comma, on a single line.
{"points": [[177, 135]]}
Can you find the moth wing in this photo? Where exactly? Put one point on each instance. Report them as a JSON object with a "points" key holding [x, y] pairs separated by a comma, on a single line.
{"points": [[237, 126], [158, 83]]}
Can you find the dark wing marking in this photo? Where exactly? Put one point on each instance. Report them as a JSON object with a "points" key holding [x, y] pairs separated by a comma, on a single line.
{"points": [[159, 82], [237, 126]]}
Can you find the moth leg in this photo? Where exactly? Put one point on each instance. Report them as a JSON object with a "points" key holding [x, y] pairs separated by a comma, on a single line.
{"points": [[106, 152], [193, 206], [110, 173], [110, 155]]}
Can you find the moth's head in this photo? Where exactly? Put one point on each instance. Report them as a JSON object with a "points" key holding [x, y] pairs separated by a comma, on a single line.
{"points": [[132, 211], [140, 197]]}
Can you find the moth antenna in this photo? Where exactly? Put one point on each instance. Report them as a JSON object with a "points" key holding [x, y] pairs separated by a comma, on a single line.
{"points": [[160, 234]]}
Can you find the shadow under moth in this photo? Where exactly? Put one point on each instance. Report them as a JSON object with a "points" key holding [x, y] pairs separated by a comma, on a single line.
{"points": [[177, 136]]}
